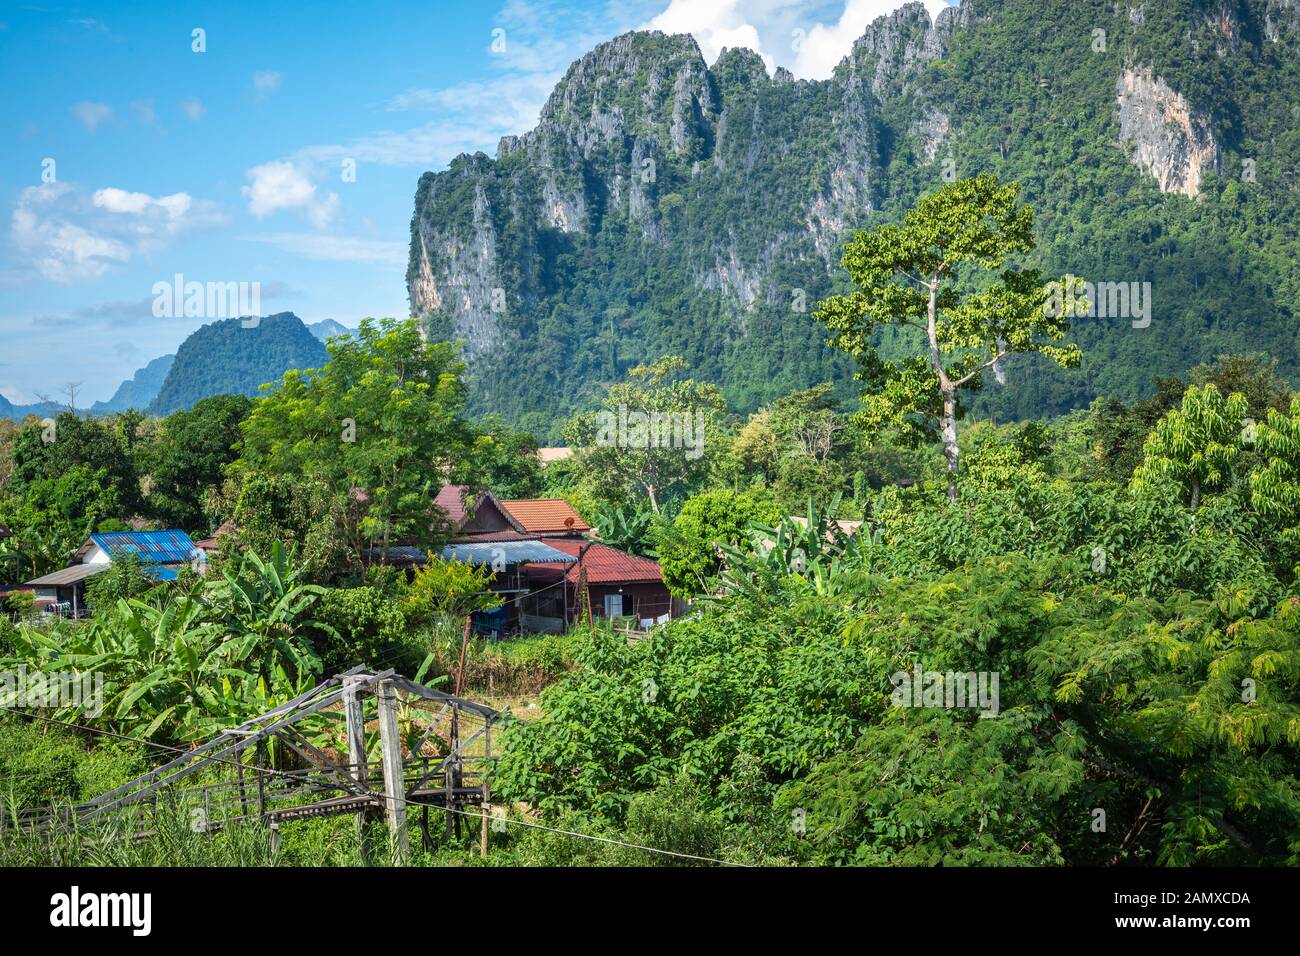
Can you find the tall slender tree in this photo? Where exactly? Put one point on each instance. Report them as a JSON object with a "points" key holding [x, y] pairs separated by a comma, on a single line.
{"points": [[931, 274]]}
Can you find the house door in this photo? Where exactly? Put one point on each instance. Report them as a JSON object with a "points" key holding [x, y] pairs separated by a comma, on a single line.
{"points": [[613, 605]]}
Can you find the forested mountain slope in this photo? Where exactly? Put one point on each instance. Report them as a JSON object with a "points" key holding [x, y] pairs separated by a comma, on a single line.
{"points": [[663, 205], [231, 358]]}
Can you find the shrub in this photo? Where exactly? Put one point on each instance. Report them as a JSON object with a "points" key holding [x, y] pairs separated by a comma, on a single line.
{"points": [[370, 629], [38, 765]]}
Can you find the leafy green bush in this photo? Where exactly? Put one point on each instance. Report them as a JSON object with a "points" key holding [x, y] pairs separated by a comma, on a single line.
{"points": [[689, 549], [368, 627]]}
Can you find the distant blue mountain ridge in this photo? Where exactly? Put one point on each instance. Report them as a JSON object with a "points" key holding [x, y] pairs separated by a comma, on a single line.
{"points": [[217, 359]]}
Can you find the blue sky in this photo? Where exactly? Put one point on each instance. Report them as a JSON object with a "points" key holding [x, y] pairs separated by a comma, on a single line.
{"points": [[126, 156]]}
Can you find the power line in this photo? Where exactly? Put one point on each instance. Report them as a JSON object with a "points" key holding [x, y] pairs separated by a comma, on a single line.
{"points": [[524, 823], [585, 836], [155, 744]]}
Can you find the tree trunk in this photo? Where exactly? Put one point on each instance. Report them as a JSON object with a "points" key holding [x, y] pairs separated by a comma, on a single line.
{"points": [[948, 422], [950, 439], [1196, 493]]}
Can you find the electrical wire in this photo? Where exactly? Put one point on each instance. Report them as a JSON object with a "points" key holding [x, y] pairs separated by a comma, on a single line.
{"points": [[583, 836]]}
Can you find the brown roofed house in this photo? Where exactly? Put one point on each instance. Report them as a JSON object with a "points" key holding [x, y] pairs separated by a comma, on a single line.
{"points": [[470, 512], [547, 516]]}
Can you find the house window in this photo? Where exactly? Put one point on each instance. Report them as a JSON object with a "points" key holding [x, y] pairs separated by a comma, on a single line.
{"points": [[613, 605]]}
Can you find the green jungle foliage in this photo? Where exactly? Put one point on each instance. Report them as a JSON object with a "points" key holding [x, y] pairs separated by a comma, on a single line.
{"points": [[1127, 572]]}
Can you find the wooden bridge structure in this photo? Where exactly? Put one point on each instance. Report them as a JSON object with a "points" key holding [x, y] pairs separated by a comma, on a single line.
{"points": [[311, 757]]}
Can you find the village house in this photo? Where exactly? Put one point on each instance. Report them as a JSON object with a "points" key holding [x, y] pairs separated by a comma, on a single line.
{"points": [[545, 564], [161, 554], [474, 512], [616, 585]]}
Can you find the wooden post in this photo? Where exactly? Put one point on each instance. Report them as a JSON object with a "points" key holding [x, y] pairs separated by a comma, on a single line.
{"points": [[424, 809], [354, 716], [243, 793], [275, 839], [447, 803], [486, 809], [464, 644], [261, 781], [487, 791], [394, 784]]}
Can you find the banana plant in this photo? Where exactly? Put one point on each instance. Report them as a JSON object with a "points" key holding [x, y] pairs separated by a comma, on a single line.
{"points": [[627, 527], [264, 607], [815, 552], [157, 665]]}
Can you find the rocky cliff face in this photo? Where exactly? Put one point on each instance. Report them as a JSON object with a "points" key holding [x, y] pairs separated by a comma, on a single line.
{"points": [[1167, 138], [640, 130], [1281, 17], [662, 205]]}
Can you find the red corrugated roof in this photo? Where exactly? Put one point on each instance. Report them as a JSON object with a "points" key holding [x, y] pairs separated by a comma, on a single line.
{"points": [[543, 515], [604, 565]]}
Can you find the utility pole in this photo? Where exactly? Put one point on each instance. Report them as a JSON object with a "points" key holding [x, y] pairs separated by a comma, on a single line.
{"points": [[354, 715], [394, 783]]}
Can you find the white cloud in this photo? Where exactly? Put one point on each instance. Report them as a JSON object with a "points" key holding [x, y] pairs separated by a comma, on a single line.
{"points": [[120, 201], [144, 112], [788, 34], [312, 245], [541, 38], [282, 185], [91, 114], [824, 46], [715, 24], [63, 235], [266, 82], [471, 116], [193, 108], [90, 24]]}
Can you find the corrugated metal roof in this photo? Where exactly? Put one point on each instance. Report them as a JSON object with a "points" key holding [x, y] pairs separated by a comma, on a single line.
{"points": [[504, 552], [153, 547], [546, 515], [66, 576], [397, 554], [604, 565], [477, 537]]}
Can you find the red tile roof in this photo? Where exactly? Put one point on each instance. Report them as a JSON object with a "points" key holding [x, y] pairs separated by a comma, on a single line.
{"points": [[604, 565], [546, 515]]}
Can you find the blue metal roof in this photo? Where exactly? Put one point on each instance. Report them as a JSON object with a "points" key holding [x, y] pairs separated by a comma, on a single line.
{"points": [[153, 547], [504, 553]]}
